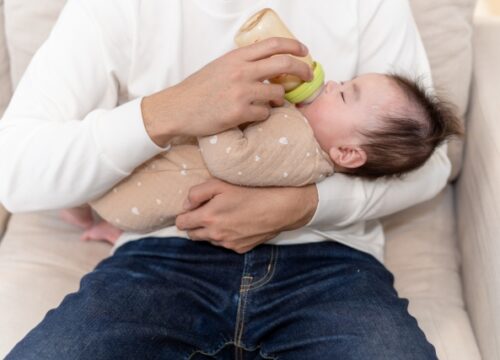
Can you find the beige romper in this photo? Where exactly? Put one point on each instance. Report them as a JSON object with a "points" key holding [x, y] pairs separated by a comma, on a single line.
{"points": [[280, 151]]}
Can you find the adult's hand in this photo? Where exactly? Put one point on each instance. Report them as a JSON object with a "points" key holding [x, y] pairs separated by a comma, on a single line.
{"points": [[240, 218], [227, 92]]}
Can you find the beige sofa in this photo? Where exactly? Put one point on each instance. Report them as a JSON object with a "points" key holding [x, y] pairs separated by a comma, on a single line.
{"points": [[445, 253]]}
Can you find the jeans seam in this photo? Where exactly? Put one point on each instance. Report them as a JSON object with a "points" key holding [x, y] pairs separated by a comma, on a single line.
{"points": [[242, 347], [267, 356], [240, 317], [269, 274], [209, 353], [245, 278]]}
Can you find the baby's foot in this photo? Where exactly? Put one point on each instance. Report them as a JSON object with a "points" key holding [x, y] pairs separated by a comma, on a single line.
{"points": [[78, 216], [102, 231]]}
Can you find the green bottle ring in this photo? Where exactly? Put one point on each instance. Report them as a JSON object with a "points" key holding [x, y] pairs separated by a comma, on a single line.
{"points": [[306, 89]]}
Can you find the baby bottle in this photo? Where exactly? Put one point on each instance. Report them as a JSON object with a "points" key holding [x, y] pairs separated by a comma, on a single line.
{"points": [[265, 24]]}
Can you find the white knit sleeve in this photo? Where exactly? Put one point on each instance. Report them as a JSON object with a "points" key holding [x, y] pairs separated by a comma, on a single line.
{"points": [[63, 140]]}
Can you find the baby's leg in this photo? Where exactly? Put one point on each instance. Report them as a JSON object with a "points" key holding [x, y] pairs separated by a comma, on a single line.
{"points": [[79, 216], [102, 231], [152, 196]]}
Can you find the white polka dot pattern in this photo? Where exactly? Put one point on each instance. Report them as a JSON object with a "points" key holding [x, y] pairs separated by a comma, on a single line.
{"points": [[283, 140]]}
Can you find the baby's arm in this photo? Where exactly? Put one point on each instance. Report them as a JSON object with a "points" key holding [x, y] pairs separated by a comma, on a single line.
{"points": [[280, 151]]}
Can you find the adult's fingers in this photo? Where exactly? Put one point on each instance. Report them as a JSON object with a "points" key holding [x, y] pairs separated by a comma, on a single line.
{"points": [[200, 234], [269, 92], [282, 64], [201, 193], [273, 46], [191, 220], [258, 112]]}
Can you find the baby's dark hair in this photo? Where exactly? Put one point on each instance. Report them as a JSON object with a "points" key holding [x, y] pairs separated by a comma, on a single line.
{"points": [[404, 142]]}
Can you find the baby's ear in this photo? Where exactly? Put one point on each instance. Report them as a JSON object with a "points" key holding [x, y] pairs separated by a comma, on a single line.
{"points": [[348, 156]]}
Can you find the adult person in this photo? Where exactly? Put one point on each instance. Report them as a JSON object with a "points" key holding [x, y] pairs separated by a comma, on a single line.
{"points": [[113, 84]]}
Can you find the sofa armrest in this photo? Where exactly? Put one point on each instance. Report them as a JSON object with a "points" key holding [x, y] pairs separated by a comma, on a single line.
{"points": [[478, 193]]}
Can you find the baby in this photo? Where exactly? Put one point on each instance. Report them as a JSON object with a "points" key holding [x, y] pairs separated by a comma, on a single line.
{"points": [[372, 126]]}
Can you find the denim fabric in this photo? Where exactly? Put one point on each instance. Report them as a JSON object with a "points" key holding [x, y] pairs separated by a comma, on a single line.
{"points": [[172, 298]]}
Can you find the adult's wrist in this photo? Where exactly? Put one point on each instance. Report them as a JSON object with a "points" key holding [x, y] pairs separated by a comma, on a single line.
{"points": [[159, 114], [305, 202]]}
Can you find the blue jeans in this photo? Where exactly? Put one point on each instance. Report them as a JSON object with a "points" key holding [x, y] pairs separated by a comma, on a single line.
{"points": [[172, 298]]}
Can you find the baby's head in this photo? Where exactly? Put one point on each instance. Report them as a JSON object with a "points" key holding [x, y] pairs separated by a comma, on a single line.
{"points": [[379, 125]]}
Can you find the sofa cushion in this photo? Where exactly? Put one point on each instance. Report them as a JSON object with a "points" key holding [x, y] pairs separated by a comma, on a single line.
{"points": [[422, 252], [446, 30], [27, 25], [41, 260]]}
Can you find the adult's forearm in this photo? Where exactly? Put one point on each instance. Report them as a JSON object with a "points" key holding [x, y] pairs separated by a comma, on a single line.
{"points": [[303, 206], [52, 164], [344, 200]]}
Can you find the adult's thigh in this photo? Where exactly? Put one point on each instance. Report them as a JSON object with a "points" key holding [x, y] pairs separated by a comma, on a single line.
{"points": [[333, 302], [147, 301]]}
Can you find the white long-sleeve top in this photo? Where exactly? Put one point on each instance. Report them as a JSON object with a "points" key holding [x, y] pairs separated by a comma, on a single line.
{"points": [[74, 127]]}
